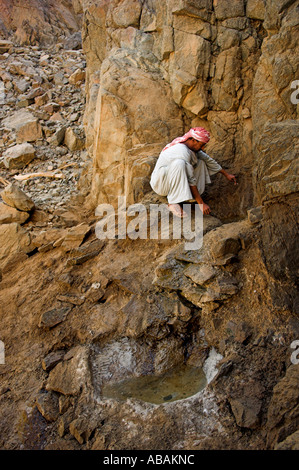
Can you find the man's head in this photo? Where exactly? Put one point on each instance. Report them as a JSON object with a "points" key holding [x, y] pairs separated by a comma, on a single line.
{"points": [[194, 144], [195, 139]]}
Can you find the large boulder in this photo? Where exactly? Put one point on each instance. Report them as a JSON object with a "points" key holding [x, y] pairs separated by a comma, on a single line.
{"points": [[18, 156], [15, 197], [25, 125], [14, 240]]}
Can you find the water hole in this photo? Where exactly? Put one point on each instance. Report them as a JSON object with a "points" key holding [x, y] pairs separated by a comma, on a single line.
{"points": [[175, 384]]}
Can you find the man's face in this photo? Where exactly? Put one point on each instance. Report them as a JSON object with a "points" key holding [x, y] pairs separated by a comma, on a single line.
{"points": [[194, 144]]}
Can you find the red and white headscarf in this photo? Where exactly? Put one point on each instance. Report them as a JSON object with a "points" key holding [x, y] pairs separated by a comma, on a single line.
{"points": [[198, 133]]}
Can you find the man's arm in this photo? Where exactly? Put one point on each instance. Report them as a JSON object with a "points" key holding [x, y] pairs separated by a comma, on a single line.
{"points": [[203, 206]]}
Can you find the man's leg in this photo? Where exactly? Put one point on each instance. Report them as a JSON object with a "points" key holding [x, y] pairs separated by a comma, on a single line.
{"points": [[202, 176], [179, 189]]}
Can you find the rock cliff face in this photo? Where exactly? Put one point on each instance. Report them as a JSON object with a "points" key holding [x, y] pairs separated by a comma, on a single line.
{"points": [[156, 69], [37, 21], [78, 313]]}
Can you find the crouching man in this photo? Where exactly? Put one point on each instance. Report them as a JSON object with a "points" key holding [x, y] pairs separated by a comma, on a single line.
{"points": [[183, 169]]}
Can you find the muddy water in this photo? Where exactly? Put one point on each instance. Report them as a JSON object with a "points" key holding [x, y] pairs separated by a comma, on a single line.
{"points": [[175, 384]]}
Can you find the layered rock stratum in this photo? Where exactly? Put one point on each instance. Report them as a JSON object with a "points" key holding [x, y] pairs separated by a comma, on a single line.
{"points": [[83, 123]]}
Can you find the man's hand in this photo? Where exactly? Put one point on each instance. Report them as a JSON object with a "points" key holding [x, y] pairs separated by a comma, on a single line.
{"points": [[229, 177], [205, 208]]}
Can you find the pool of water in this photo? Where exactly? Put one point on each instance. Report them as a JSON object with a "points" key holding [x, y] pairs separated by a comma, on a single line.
{"points": [[176, 384]]}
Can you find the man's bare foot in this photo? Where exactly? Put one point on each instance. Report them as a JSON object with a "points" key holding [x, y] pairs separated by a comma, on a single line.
{"points": [[176, 210]]}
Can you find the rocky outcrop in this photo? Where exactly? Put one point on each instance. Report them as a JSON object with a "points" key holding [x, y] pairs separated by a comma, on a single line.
{"points": [[41, 22], [160, 70]]}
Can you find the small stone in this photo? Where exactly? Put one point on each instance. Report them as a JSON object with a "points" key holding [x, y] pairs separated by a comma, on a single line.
{"points": [[226, 286], [200, 274], [58, 136], [72, 140], [5, 46], [57, 117], [246, 411], [81, 429], [45, 248], [70, 374], [47, 404], [38, 91], [77, 77], [240, 331], [24, 102], [51, 107], [41, 100], [255, 9], [75, 236], [225, 246], [94, 295], [21, 86], [52, 359], [53, 317], [255, 215], [72, 299], [64, 403]]}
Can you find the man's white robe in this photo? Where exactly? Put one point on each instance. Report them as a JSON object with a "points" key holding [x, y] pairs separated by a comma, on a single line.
{"points": [[178, 168]]}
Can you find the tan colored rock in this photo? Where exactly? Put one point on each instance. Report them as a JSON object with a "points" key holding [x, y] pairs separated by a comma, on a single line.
{"points": [[290, 443], [47, 404], [41, 23], [53, 317], [196, 9], [5, 46], [73, 140], [77, 78], [226, 87], [9, 215], [18, 156], [75, 236], [255, 9], [41, 100], [277, 171], [229, 9], [127, 13], [14, 240], [246, 411], [125, 120], [70, 375], [82, 428], [200, 274], [283, 407], [15, 197], [25, 125], [51, 107], [196, 100]]}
